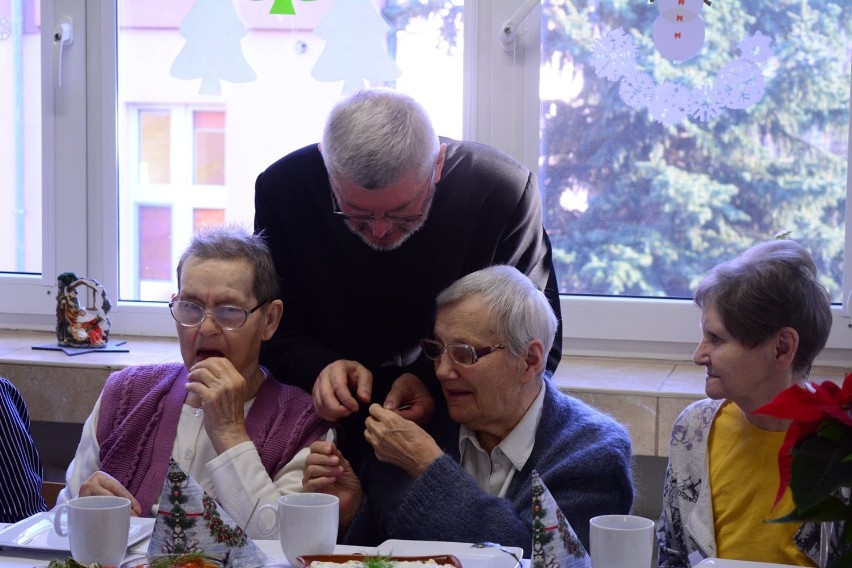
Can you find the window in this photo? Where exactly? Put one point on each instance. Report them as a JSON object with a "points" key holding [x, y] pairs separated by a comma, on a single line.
{"points": [[155, 152], [676, 134], [231, 90], [663, 155], [20, 137], [209, 155], [135, 161], [174, 185]]}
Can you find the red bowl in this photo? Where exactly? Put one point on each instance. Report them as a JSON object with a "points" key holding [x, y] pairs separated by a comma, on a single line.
{"points": [[440, 559]]}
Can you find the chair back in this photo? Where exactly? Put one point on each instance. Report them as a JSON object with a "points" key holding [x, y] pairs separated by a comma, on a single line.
{"points": [[50, 491]]}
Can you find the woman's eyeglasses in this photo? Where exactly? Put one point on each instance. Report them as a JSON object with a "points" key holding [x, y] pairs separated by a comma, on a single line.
{"points": [[190, 314]]}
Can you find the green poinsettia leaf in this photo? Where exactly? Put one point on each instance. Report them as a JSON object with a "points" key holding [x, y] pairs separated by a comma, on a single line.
{"points": [[835, 431], [819, 468], [830, 509], [842, 561]]}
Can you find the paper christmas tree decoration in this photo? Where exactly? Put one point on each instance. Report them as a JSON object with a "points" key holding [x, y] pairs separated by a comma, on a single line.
{"points": [[213, 50], [355, 50], [555, 544], [190, 521]]}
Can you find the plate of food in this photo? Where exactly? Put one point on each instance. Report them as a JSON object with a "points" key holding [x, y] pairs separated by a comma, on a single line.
{"points": [[721, 563], [173, 561], [36, 533], [478, 555], [378, 561], [176, 561]]}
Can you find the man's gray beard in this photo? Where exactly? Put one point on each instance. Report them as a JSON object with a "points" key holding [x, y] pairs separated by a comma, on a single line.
{"points": [[405, 237], [384, 248]]}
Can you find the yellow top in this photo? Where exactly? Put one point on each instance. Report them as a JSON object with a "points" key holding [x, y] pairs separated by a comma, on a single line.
{"points": [[744, 481]]}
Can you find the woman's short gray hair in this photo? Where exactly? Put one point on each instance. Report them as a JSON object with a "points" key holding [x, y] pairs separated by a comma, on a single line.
{"points": [[235, 243], [770, 286], [376, 136], [519, 310]]}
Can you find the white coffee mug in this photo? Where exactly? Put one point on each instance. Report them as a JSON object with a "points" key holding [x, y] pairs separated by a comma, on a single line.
{"points": [[621, 541], [98, 528], [307, 524]]}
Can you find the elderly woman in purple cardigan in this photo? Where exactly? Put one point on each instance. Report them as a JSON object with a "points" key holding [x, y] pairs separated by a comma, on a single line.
{"points": [[242, 435]]}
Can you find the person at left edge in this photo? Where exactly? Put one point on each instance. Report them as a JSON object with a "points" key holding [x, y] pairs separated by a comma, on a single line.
{"points": [[247, 446], [20, 465]]}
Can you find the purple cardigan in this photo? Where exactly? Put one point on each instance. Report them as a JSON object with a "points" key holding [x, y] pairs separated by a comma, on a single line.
{"points": [[140, 409]]}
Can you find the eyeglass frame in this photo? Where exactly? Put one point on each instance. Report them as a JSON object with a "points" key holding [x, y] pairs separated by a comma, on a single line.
{"points": [[212, 313], [371, 218], [477, 352]]}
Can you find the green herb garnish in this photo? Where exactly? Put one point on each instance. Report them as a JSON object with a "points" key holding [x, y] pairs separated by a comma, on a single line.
{"points": [[378, 561], [70, 563]]}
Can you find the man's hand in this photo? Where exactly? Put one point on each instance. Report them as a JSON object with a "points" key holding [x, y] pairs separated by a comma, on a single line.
{"points": [[400, 442], [334, 387], [327, 471], [408, 390], [223, 391], [102, 483]]}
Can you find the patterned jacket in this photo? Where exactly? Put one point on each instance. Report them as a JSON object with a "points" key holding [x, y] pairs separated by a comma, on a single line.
{"points": [[685, 533]]}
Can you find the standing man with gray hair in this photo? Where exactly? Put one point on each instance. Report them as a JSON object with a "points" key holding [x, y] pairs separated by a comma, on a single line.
{"points": [[371, 224]]}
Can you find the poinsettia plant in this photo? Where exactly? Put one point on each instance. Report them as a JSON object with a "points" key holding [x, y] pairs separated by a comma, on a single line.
{"points": [[815, 460]]}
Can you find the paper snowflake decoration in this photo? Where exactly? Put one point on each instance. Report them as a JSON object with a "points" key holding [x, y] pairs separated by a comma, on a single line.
{"points": [[614, 55], [756, 48], [670, 103], [703, 103], [740, 84], [637, 89]]}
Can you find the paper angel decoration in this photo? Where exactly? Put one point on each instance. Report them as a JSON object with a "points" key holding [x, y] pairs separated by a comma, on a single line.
{"points": [[555, 544], [190, 521]]}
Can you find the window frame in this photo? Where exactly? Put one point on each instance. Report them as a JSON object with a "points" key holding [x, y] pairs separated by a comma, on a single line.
{"points": [[500, 108]]}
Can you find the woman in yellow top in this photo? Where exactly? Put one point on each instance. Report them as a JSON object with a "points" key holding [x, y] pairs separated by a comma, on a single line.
{"points": [[764, 319]]}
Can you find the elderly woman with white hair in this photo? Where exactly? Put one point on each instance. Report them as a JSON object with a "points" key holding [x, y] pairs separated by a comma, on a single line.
{"points": [[468, 476]]}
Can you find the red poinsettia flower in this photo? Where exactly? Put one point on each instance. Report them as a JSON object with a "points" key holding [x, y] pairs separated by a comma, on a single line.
{"points": [[807, 406]]}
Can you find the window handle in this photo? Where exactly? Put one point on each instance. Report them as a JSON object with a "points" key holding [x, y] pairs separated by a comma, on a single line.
{"points": [[509, 30], [63, 34]]}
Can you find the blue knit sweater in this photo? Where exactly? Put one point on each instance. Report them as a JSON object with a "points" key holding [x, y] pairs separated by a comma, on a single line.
{"points": [[582, 455]]}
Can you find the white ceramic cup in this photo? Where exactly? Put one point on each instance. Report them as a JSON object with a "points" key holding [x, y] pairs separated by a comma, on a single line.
{"points": [[98, 528], [307, 524], [621, 541]]}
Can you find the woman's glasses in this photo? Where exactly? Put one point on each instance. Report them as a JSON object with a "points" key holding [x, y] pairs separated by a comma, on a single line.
{"points": [[190, 314]]}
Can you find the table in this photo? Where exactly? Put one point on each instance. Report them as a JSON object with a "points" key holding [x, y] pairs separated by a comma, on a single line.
{"points": [[12, 557], [17, 557]]}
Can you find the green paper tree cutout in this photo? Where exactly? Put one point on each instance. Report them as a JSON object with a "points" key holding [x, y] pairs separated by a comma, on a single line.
{"points": [[284, 7]]}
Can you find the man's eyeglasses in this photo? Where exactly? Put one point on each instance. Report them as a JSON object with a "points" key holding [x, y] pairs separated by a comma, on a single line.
{"points": [[190, 314], [460, 353], [395, 219]]}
